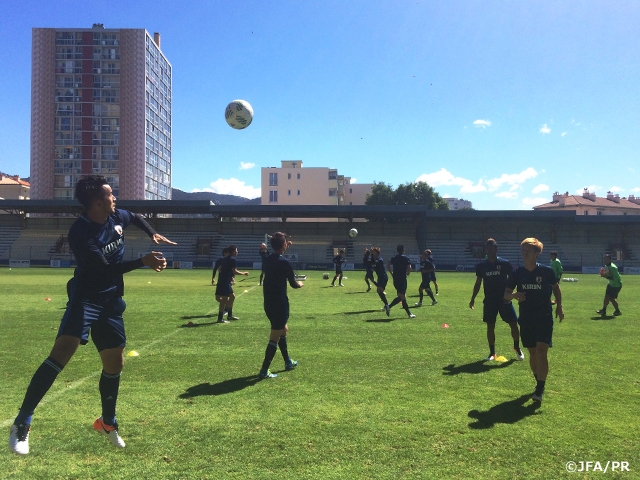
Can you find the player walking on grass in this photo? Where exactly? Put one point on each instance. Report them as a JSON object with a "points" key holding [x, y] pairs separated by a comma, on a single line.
{"points": [[494, 271], [95, 305], [426, 268], [433, 274], [224, 290], [338, 260], [264, 253], [367, 260], [383, 278], [400, 266], [277, 272], [613, 288], [534, 283]]}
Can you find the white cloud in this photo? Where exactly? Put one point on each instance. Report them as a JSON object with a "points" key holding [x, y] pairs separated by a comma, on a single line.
{"points": [[508, 195], [354, 180], [544, 129], [563, 134], [637, 189], [482, 123], [514, 188], [231, 186], [512, 179], [246, 166], [444, 177], [540, 188], [615, 189], [532, 202]]}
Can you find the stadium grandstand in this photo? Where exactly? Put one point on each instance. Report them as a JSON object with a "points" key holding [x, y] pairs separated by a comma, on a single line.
{"points": [[33, 232]]}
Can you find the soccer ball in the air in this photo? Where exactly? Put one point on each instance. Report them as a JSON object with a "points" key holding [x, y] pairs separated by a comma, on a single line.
{"points": [[238, 114], [353, 233]]}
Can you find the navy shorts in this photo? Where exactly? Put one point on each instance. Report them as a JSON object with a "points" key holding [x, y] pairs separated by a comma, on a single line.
{"points": [[338, 271], [369, 274], [382, 282], [534, 330], [224, 290], [103, 320], [425, 285], [433, 276], [400, 285], [612, 292], [490, 312], [278, 314]]}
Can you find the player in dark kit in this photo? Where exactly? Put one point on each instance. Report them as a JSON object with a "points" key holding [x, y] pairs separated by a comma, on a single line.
{"points": [[367, 260], [401, 267], [264, 253], [277, 272], [433, 274], [494, 271], [534, 283], [95, 305], [216, 266], [426, 269], [383, 278], [224, 290], [338, 260]]}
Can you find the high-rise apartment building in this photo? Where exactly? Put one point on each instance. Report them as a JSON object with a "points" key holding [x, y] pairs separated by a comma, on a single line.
{"points": [[100, 104]]}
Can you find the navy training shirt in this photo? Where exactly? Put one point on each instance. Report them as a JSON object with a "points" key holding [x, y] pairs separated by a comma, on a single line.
{"points": [[537, 287], [427, 265], [227, 269], [494, 277], [400, 263], [277, 272], [99, 251], [379, 268], [338, 260]]}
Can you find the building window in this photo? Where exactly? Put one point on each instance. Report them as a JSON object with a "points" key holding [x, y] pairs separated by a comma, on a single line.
{"points": [[289, 193], [333, 192], [298, 176], [586, 212], [351, 190], [273, 180], [333, 174], [288, 176], [273, 196], [599, 212], [299, 195]]}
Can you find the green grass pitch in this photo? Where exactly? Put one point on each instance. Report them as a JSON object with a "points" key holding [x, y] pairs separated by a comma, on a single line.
{"points": [[373, 397]]}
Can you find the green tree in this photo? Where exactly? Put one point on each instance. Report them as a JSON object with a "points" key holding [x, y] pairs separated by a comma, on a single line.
{"points": [[416, 193]]}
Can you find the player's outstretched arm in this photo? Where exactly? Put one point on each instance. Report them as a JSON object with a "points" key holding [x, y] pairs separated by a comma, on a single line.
{"points": [[155, 261], [157, 239]]}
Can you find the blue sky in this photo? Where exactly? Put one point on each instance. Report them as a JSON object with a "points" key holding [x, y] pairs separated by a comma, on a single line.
{"points": [[497, 102]]}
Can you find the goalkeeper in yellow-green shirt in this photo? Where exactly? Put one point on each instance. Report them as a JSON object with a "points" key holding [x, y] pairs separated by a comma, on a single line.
{"points": [[611, 273]]}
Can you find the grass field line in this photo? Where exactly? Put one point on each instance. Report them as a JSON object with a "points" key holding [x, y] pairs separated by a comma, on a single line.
{"points": [[50, 397]]}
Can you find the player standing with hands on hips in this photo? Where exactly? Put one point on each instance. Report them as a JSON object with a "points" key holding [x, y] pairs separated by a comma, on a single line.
{"points": [[277, 272], [95, 304], [534, 283]]}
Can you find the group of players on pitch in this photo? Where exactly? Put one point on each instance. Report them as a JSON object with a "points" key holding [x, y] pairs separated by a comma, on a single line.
{"points": [[96, 306]]}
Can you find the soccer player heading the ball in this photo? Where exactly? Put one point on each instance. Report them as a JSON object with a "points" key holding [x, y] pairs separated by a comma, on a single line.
{"points": [[494, 271], [400, 266], [534, 283], [95, 305], [277, 272], [613, 288]]}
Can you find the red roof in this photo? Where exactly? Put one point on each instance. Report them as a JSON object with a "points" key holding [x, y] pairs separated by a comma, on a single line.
{"points": [[582, 201]]}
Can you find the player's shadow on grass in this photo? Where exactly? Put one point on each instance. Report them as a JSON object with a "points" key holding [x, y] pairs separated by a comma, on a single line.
{"points": [[480, 366], [359, 312], [605, 317], [191, 317], [221, 388], [355, 293], [510, 412]]}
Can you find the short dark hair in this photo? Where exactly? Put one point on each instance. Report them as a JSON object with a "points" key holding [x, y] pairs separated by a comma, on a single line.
{"points": [[278, 240], [341, 251], [553, 252], [231, 248], [89, 189], [400, 249], [225, 250], [490, 241]]}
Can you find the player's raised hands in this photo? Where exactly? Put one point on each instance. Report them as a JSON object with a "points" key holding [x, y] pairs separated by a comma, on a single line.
{"points": [[155, 261], [157, 238]]}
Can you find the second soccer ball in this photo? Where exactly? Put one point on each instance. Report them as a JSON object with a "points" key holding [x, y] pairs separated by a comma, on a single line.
{"points": [[353, 233]]}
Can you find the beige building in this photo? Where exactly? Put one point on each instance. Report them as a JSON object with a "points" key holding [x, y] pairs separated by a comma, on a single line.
{"points": [[100, 104], [13, 188], [291, 184], [589, 204], [458, 204]]}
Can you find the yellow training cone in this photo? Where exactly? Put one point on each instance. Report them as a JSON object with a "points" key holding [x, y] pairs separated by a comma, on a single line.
{"points": [[133, 353], [501, 358]]}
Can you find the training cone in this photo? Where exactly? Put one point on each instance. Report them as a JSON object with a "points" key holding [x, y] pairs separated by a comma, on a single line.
{"points": [[501, 358], [246, 291], [445, 325], [190, 324], [47, 299], [133, 353]]}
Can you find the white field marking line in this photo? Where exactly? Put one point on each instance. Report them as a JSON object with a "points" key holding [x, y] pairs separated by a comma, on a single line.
{"points": [[50, 397]]}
